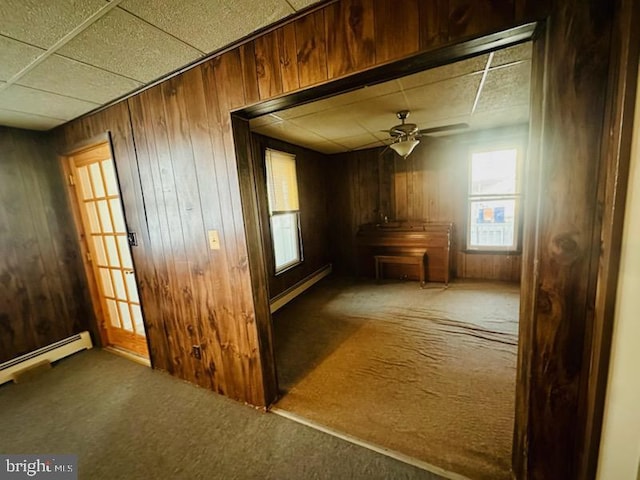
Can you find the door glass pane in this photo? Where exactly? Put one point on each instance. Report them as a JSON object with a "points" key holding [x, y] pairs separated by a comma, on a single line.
{"points": [[125, 253], [118, 217], [110, 177], [112, 251], [103, 209], [131, 285], [492, 223], [114, 317], [85, 183], [94, 223], [96, 180], [99, 248], [106, 282], [137, 319], [118, 284], [125, 316]]}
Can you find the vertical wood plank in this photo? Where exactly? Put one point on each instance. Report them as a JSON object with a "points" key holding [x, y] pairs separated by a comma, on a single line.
{"points": [[268, 65], [350, 36], [433, 17], [250, 81], [311, 48], [473, 17], [396, 29], [288, 57]]}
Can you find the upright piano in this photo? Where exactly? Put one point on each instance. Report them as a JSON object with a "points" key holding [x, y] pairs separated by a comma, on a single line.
{"points": [[407, 238]]}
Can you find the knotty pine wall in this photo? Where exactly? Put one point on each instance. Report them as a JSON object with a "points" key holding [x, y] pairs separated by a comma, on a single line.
{"points": [[178, 136], [311, 168], [430, 185], [43, 292]]}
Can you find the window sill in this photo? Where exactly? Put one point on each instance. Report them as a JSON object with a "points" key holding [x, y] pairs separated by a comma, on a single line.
{"points": [[287, 268], [491, 252]]}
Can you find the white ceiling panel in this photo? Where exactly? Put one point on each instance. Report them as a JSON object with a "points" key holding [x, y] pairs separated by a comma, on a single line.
{"points": [[367, 140], [208, 25], [506, 87], [327, 147], [290, 132], [43, 22], [512, 54], [123, 44], [448, 98], [37, 102], [15, 56], [74, 79], [28, 121], [446, 72]]}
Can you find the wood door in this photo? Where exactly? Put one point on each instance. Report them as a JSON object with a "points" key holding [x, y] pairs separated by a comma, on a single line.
{"points": [[95, 184]]}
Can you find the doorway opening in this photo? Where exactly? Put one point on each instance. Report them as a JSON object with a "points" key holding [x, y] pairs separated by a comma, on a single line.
{"points": [[402, 368], [101, 224]]}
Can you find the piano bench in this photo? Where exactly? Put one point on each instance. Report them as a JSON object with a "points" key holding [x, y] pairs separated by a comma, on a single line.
{"points": [[402, 259]]}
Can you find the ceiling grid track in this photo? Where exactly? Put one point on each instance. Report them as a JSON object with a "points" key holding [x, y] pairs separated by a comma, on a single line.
{"points": [[62, 42]]}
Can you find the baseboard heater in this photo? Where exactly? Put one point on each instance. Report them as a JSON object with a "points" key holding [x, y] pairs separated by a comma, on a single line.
{"points": [[50, 353], [289, 294]]}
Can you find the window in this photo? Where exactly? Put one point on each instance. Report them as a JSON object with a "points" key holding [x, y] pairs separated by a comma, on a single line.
{"points": [[284, 209], [494, 198]]}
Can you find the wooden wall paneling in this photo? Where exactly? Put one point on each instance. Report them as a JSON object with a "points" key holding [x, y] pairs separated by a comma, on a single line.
{"points": [[189, 144], [250, 174], [44, 298], [250, 80], [474, 17], [268, 68], [257, 382], [386, 186], [153, 277], [350, 36], [529, 10], [396, 29], [288, 57], [154, 148], [433, 20], [311, 48], [566, 253], [617, 140]]}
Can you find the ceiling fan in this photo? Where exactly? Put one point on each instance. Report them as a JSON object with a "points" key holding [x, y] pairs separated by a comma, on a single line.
{"points": [[406, 136]]}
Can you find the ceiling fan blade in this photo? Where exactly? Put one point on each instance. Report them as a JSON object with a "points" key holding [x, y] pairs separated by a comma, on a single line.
{"points": [[393, 131], [443, 128]]}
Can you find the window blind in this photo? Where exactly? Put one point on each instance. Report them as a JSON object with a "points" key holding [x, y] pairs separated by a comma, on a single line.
{"points": [[282, 185]]}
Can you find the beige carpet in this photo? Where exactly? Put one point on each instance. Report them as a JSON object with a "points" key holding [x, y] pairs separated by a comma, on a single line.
{"points": [[428, 373]]}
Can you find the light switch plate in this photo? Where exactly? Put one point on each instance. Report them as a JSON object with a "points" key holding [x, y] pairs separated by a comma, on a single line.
{"points": [[214, 240]]}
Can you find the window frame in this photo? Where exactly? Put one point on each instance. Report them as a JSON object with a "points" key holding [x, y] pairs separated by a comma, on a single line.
{"points": [[517, 196], [278, 270]]}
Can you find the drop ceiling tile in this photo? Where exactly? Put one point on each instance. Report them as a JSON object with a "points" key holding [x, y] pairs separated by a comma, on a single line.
{"points": [[123, 44], [449, 98], [43, 22], [445, 72], [209, 25], [289, 132], [300, 4], [326, 147], [512, 54], [500, 118], [330, 124], [264, 120], [74, 79], [37, 102], [28, 121], [358, 142], [506, 87], [15, 56]]}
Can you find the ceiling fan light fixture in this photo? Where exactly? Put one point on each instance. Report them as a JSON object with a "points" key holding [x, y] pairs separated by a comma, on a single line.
{"points": [[405, 147]]}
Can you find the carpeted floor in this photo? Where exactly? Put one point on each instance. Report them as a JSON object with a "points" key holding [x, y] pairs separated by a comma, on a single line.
{"points": [[428, 373], [126, 421]]}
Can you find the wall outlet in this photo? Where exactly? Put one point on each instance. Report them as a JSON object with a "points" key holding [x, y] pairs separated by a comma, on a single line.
{"points": [[214, 240]]}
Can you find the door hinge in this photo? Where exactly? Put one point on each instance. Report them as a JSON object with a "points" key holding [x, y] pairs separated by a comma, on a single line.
{"points": [[89, 257], [72, 181]]}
